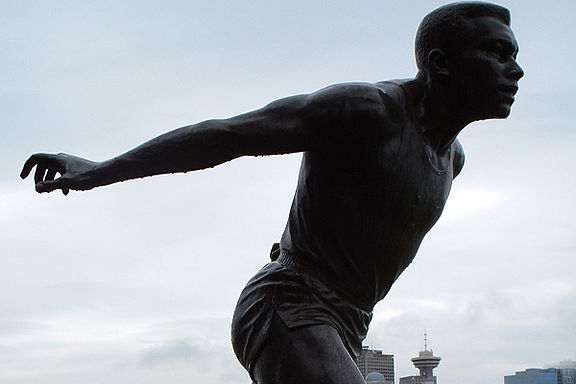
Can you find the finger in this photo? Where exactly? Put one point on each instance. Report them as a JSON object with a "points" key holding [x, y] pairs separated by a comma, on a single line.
{"points": [[39, 174], [35, 159], [50, 175], [49, 185], [28, 165]]}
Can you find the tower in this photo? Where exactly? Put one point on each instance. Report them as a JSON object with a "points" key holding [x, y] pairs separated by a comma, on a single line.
{"points": [[425, 362]]}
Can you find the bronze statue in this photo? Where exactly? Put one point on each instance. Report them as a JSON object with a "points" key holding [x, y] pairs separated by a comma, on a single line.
{"points": [[378, 164]]}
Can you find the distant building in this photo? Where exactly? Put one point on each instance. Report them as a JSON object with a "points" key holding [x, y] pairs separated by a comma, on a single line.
{"points": [[425, 362], [563, 373], [568, 371], [568, 375], [373, 360], [375, 378], [535, 376]]}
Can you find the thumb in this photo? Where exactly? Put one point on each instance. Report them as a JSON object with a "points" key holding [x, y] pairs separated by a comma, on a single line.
{"points": [[49, 185]]}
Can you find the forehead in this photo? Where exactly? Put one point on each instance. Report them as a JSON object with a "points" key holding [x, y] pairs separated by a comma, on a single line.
{"points": [[488, 29]]}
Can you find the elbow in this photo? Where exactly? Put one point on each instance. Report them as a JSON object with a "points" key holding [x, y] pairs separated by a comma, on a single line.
{"points": [[222, 141]]}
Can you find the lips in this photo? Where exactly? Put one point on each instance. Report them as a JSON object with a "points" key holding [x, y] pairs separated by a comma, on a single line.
{"points": [[509, 89], [508, 92]]}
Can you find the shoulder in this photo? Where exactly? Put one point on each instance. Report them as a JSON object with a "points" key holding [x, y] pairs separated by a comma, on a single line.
{"points": [[373, 97], [458, 158], [361, 109]]}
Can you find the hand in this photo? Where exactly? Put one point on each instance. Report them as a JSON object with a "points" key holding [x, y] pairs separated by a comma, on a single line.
{"points": [[73, 172]]}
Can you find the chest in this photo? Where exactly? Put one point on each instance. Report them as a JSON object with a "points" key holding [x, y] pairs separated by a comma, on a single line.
{"points": [[415, 183]]}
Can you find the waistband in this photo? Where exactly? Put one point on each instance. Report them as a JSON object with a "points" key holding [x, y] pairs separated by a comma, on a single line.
{"points": [[303, 265]]}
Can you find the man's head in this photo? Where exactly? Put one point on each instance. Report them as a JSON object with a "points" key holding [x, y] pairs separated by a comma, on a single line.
{"points": [[449, 29], [469, 49]]}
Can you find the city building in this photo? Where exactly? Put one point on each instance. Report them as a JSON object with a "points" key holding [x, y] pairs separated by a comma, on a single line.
{"points": [[568, 371], [565, 373], [568, 375], [535, 376], [373, 360], [375, 378], [425, 362]]}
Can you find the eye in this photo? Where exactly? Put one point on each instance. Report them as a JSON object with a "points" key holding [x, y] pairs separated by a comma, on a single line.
{"points": [[499, 52], [502, 52]]}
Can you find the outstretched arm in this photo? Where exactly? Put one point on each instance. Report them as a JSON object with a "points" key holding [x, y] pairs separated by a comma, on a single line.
{"points": [[294, 124], [275, 129]]}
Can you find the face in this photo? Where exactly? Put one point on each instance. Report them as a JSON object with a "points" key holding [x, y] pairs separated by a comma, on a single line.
{"points": [[485, 77]]}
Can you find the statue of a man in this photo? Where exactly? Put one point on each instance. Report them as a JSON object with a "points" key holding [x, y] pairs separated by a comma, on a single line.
{"points": [[378, 164]]}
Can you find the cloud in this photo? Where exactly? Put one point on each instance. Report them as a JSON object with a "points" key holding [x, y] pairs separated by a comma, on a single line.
{"points": [[468, 202], [172, 351], [566, 364], [135, 283]]}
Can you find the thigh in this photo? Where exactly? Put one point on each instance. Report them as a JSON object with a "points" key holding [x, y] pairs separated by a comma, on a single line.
{"points": [[311, 354]]}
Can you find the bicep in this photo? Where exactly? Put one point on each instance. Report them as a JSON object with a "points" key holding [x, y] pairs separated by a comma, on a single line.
{"points": [[335, 116], [278, 128]]}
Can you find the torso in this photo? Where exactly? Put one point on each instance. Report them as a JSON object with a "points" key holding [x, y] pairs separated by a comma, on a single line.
{"points": [[361, 213]]}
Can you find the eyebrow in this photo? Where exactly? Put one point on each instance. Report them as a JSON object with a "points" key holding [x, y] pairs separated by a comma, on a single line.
{"points": [[506, 43]]}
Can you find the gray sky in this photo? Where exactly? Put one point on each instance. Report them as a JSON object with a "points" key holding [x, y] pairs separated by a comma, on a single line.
{"points": [[137, 282]]}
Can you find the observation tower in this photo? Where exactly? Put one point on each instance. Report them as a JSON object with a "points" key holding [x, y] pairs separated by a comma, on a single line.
{"points": [[426, 362]]}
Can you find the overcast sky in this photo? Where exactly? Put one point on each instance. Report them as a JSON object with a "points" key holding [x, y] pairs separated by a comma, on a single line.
{"points": [[136, 282]]}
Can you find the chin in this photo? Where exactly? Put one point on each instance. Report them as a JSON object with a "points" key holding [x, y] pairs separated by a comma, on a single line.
{"points": [[488, 106], [502, 111]]}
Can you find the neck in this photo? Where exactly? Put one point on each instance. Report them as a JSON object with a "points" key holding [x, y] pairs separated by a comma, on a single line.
{"points": [[439, 118]]}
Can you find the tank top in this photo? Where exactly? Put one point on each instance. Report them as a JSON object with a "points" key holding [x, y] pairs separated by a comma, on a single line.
{"points": [[359, 215]]}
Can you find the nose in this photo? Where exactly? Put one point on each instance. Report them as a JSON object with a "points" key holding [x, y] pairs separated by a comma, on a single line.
{"points": [[516, 72]]}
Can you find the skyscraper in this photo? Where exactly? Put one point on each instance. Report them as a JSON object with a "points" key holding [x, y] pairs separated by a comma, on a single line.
{"points": [[373, 360]]}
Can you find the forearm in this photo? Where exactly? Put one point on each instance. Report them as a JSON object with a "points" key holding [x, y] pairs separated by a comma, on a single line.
{"points": [[190, 148]]}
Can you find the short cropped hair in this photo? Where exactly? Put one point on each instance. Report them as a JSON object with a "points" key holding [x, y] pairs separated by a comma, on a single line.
{"points": [[446, 28]]}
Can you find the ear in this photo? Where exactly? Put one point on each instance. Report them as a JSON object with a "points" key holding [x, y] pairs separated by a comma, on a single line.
{"points": [[438, 63]]}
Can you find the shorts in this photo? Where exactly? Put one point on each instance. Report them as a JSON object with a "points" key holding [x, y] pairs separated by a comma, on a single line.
{"points": [[299, 300]]}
